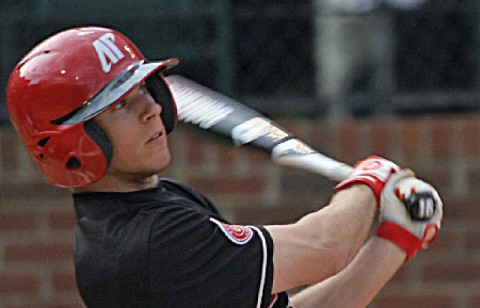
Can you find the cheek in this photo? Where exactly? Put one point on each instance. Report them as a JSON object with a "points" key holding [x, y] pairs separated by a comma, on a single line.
{"points": [[124, 149], [123, 141]]}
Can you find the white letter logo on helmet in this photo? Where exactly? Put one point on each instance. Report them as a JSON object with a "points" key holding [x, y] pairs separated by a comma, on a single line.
{"points": [[107, 51]]}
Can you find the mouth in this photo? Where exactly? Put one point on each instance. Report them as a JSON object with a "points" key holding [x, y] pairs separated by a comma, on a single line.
{"points": [[155, 137]]}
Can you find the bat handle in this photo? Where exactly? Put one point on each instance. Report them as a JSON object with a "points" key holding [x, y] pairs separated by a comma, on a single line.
{"points": [[420, 206], [317, 163], [340, 172]]}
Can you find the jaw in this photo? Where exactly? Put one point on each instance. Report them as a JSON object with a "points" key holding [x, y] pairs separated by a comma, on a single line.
{"points": [[123, 180]]}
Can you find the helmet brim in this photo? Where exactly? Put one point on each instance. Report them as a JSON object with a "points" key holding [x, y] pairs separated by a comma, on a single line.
{"points": [[114, 91]]}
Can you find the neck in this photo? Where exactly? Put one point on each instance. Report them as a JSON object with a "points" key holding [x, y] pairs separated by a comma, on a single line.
{"points": [[119, 184]]}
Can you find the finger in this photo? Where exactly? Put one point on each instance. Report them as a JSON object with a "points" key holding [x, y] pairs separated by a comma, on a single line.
{"points": [[431, 233]]}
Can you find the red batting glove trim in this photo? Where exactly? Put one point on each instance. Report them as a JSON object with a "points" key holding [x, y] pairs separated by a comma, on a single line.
{"points": [[400, 237], [373, 182]]}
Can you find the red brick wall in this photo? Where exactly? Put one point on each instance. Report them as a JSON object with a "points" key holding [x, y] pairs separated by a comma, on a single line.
{"points": [[36, 220]]}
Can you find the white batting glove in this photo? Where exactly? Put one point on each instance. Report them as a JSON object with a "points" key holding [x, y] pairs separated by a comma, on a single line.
{"points": [[396, 224], [374, 171]]}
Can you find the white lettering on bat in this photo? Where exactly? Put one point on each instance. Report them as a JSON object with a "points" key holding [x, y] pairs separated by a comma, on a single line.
{"points": [[250, 130], [292, 147], [426, 207], [198, 108]]}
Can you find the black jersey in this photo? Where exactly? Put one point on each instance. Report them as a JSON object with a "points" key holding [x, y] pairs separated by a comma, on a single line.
{"points": [[169, 247]]}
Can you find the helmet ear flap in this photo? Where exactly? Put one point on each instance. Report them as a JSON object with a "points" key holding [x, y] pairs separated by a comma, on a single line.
{"points": [[160, 91], [98, 135], [72, 157]]}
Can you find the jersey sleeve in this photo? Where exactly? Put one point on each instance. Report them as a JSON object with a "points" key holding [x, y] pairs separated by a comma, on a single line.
{"points": [[199, 260]]}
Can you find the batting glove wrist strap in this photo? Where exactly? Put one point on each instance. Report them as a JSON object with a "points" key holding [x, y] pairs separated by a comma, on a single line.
{"points": [[373, 171], [400, 237]]}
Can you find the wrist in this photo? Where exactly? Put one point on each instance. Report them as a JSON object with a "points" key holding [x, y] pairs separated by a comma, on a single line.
{"points": [[401, 237], [359, 195], [374, 185], [366, 191], [361, 192]]}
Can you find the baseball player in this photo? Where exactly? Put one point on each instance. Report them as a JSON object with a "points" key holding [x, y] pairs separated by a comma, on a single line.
{"points": [[95, 115]]}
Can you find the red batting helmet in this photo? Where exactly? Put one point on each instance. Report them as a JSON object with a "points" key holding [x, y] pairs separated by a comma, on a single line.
{"points": [[67, 80]]}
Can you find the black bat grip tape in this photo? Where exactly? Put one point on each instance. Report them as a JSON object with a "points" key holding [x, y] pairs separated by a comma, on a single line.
{"points": [[420, 206]]}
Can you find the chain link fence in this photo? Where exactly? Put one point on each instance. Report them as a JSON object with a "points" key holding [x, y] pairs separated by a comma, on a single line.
{"points": [[282, 57]]}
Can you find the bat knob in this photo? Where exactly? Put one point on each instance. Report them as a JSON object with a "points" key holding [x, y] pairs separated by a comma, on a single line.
{"points": [[420, 206]]}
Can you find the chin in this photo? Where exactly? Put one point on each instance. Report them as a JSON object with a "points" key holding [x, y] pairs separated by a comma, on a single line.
{"points": [[164, 162]]}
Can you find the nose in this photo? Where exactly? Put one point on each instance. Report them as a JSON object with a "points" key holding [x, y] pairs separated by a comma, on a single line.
{"points": [[151, 110]]}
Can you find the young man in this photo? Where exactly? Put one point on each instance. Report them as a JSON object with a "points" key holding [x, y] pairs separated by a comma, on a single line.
{"points": [[95, 115]]}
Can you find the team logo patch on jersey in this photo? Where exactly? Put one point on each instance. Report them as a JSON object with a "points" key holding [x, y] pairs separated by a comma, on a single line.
{"points": [[239, 235]]}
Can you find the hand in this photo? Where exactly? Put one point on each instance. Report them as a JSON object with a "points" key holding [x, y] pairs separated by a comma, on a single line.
{"points": [[373, 171], [396, 223]]}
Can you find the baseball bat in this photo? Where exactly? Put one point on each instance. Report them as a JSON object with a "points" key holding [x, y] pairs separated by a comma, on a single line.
{"points": [[218, 113], [215, 112]]}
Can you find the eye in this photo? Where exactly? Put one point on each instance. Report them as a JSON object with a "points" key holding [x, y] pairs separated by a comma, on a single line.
{"points": [[120, 105]]}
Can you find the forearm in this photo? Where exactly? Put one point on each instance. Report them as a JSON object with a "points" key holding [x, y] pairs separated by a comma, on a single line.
{"points": [[359, 282], [324, 242], [348, 219]]}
